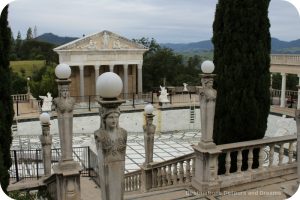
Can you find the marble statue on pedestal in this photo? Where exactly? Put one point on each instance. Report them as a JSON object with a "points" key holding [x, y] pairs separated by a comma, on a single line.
{"points": [[163, 97], [47, 102]]}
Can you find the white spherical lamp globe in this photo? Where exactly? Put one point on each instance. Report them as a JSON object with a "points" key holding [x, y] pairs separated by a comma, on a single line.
{"points": [[207, 67], [109, 85], [149, 109], [63, 71], [45, 118]]}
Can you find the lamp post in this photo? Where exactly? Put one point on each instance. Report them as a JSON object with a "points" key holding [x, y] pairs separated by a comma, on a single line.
{"points": [[67, 169], [110, 139], [149, 130], [205, 178], [46, 141]]}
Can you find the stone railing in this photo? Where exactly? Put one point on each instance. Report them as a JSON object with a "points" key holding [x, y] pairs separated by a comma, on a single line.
{"points": [[133, 181], [285, 59], [167, 174], [288, 93], [176, 171], [275, 158], [20, 97], [275, 164]]}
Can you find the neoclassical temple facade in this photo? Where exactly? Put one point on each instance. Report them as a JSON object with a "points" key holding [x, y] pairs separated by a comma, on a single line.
{"points": [[95, 54]]}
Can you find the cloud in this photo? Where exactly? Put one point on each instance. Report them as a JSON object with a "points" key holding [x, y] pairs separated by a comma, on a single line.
{"points": [[164, 20]]}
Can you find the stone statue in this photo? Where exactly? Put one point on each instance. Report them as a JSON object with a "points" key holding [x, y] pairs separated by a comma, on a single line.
{"points": [[149, 131], [111, 147], [105, 40], [185, 87], [117, 44], [47, 102], [163, 97]]}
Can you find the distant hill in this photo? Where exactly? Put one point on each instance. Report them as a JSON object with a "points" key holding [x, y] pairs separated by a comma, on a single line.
{"points": [[277, 45], [54, 39]]}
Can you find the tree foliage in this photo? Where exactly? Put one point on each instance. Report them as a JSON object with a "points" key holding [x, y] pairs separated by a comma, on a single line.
{"points": [[6, 109], [43, 81], [241, 41], [162, 63]]}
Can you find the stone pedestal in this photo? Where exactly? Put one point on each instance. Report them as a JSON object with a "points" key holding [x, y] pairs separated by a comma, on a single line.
{"points": [[206, 170], [68, 180], [111, 149], [146, 179]]}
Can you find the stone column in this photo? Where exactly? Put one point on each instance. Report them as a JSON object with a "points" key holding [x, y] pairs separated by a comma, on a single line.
{"points": [[206, 173], [67, 170], [111, 143], [97, 67], [298, 100], [283, 88], [140, 79], [111, 68], [81, 69], [46, 141], [125, 78]]}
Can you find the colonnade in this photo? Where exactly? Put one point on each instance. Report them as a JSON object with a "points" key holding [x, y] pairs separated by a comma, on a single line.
{"points": [[283, 91], [111, 69]]}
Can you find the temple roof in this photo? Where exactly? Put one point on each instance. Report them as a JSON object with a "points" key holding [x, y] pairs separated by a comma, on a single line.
{"points": [[102, 41]]}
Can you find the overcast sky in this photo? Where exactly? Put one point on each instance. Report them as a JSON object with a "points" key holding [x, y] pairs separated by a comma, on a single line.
{"points": [[175, 21]]}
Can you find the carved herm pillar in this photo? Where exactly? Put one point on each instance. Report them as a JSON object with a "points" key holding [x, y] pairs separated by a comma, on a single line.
{"points": [[208, 97], [111, 148], [110, 139], [205, 178], [67, 170], [46, 141], [149, 131]]}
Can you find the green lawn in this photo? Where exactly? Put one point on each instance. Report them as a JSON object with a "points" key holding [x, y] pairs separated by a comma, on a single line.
{"points": [[27, 65]]}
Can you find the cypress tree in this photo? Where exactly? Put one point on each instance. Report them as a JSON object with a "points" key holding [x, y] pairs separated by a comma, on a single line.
{"points": [[6, 106], [241, 41]]}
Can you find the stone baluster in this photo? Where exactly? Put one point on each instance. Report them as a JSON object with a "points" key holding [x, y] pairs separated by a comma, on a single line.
{"points": [[271, 155], [126, 184], [239, 161], [261, 158], [188, 171], [290, 152], [154, 178], [193, 167], [159, 177], [130, 183], [281, 151], [169, 177], [181, 173], [250, 159], [134, 183], [164, 176], [175, 176], [227, 163]]}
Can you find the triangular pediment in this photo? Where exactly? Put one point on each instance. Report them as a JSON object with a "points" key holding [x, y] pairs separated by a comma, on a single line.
{"points": [[104, 40]]}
